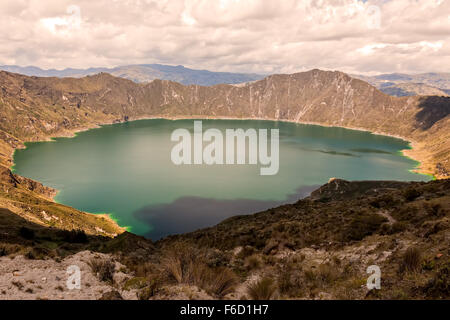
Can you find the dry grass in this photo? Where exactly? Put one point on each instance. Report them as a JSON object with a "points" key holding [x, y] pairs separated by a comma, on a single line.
{"points": [[291, 282], [253, 262], [327, 273], [7, 249], [103, 268], [412, 260], [263, 289], [174, 268], [222, 282], [187, 267]]}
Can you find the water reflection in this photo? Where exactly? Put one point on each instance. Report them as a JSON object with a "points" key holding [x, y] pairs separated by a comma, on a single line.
{"points": [[191, 213]]}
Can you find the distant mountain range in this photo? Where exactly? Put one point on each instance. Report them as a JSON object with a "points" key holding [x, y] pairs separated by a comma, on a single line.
{"points": [[395, 84], [400, 84], [145, 73]]}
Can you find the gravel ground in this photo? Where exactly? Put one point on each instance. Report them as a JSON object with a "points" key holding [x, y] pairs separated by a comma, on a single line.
{"points": [[25, 279]]}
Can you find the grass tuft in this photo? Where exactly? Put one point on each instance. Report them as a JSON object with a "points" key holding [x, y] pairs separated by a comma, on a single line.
{"points": [[263, 289], [412, 260], [103, 268]]}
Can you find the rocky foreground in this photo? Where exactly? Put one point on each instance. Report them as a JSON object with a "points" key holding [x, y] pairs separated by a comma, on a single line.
{"points": [[317, 248]]}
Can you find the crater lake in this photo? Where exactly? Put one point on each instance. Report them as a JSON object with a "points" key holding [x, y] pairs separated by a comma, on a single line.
{"points": [[125, 170]]}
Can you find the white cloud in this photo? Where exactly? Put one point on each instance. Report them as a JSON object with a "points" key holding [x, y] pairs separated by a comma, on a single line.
{"points": [[229, 35]]}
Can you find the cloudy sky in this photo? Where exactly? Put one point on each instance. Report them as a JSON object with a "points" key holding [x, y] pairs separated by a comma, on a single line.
{"points": [[265, 36]]}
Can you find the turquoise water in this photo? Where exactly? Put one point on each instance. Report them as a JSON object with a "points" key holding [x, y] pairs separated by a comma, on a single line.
{"points": [[126, 170]]}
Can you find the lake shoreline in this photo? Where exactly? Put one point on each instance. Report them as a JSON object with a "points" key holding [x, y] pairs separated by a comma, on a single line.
{"points": [[411, 152], [110, 216]]}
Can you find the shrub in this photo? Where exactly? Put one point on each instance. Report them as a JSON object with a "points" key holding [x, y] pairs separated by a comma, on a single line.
{"points": [[396, 227], [174, 268], [222, 283], [143, 269], [434, 209], [7, 249], [383, 201], [253, 262], [411, 194], [399, 226], [285, 282], [439, 285], [406, 213], [327, 273], [38, 253], [323, 276], [290, 281], [180, 262], [216, 258], [263, 289], [149, 291], [30, 254], [146, 293], [363, 225], [135, 283], [412, 260], [74, 236], [187, 267], [111, 295], [219, 282], [245, 252], [103, 268], [18, 284], [26, 233]]}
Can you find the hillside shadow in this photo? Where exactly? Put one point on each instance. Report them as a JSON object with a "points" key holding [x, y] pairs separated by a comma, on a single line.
{"points": [[187, 214], [433, 109], [20, 236], [15, 230]]}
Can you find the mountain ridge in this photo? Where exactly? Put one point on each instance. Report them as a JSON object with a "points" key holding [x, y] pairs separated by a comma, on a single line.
{"points": [[402, 84], [396, 84]]}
